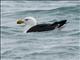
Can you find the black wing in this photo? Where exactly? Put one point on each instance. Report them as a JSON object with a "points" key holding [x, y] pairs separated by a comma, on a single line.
{"points": [[47, 27], [40, 27]]}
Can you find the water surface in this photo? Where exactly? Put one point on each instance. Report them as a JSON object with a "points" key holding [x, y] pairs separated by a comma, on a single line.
{"points": [[50, 45]]}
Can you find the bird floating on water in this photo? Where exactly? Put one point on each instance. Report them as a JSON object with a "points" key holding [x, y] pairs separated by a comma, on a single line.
{"points": [[32, 26]]}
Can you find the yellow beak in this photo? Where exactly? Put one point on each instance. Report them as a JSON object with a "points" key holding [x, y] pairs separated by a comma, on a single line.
{"points": [[20, 21]]}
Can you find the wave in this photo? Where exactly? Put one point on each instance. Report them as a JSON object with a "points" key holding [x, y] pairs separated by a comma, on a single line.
{"points": [[61, 9], [5, 27], [53, 52]]}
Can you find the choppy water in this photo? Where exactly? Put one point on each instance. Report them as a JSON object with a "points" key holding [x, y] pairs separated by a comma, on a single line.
{"points": [[50, 45]]}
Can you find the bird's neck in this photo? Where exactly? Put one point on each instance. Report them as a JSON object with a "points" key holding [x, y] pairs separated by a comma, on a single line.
{"points": [[27, 27]]}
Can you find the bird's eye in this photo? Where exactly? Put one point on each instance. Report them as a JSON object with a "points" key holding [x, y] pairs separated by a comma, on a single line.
{"points": [[26, 19]]}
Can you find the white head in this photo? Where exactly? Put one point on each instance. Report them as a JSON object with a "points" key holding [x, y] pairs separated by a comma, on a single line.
{"points": [[28, 21]]}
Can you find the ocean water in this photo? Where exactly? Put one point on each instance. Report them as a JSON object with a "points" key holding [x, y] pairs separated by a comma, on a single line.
{"points": [[57, 44]]}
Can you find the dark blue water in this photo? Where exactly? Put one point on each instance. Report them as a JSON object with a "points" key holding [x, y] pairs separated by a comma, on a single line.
{"points": [[50, 45]]}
